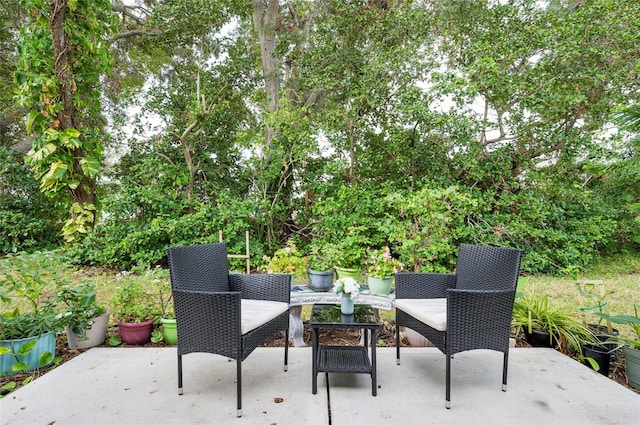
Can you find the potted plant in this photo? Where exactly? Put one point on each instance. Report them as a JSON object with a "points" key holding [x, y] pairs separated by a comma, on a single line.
{"points": [[320, 271], [546, 325], [169, 333], [381, 267], [29, 324], [286, 260], [349, 288], [599, 348], [135, 309], [350, 258], [85, 320], [631, 344]]}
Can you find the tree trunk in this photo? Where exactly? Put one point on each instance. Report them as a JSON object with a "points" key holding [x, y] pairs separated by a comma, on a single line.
{"points": [[265, 15], [68, 117]]}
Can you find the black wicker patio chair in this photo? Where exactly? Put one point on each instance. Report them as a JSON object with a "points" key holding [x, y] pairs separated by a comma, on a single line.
{"points": [[466, 310], [222, 313]]}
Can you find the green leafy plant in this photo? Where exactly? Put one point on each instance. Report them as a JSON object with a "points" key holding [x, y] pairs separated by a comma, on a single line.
{"points": [[157, 336], [24, 283], [531, 311], [24, 279], [322, 256], [286, 260], [135, 300], [80, 306], [381, 264], [351, 253], [631, 321], [595, 302]]}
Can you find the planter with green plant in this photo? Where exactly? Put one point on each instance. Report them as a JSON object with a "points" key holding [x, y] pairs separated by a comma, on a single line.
{"points": [[381, 267], [593, 295], [631, 344], [169, 332], [85, 320], [600, 350], [322, 258], [29, 324], [135, 308], [350, 258], [547, 325]]}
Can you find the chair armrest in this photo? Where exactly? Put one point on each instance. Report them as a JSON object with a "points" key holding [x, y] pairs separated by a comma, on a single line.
{"points": [[208, 321], [424, 285], [478, 318], [269, 287]]}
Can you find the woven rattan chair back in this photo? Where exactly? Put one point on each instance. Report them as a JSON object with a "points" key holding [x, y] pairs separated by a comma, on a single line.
{"points": [[200, 268], [487, 267]]}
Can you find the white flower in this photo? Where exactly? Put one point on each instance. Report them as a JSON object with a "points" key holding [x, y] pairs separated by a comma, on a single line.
{"points": [[346, 285]]}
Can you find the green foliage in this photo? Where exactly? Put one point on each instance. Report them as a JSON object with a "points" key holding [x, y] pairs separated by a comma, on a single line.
{"points": [[532, 311], [626, 319], [24, 283], [377, 139], [81, 221], [352, 220], [28, 219], [322, 256], [79, 305], [137, 299], [157, 336], [380, 263], [286, 260], [60, 86], [426, 226]]}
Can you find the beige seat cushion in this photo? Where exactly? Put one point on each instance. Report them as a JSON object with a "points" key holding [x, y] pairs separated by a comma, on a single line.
{"points": [[256, 313], [432, 312]]}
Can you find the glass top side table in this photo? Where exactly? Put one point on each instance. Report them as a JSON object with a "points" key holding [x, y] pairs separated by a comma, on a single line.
{"points": [[344, 359]]}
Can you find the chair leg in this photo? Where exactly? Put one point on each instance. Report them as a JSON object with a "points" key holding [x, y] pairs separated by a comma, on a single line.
{"points": [[448, 383], [286, 350], [179, 374], [239, 385], [504, 371], [397, 343]]}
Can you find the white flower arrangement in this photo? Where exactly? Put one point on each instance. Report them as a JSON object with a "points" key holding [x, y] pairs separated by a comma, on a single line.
{"points": [[347, 286]]}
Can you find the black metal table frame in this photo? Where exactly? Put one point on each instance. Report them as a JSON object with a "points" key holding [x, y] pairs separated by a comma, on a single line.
{"points": [[344, 359]]}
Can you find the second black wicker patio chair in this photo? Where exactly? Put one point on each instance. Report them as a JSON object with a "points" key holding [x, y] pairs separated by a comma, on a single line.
{"points": [[222, 313], [466, 310]]}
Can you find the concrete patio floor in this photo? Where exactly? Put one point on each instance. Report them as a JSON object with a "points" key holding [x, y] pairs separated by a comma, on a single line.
{"points": [[139, 386]]}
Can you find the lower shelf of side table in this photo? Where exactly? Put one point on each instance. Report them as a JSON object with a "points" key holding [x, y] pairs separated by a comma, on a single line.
{"points": [[340, 359]]}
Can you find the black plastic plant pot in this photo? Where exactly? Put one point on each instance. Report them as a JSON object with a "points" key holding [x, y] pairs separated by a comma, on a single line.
{"points": [[601, 354], [538, 338]]}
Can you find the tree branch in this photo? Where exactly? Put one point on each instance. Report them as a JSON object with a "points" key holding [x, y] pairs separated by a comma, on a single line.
{"points": [[133, 33]]}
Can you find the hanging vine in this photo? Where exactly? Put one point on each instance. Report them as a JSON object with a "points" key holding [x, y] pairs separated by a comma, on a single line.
{"points": [[63, 54]]}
